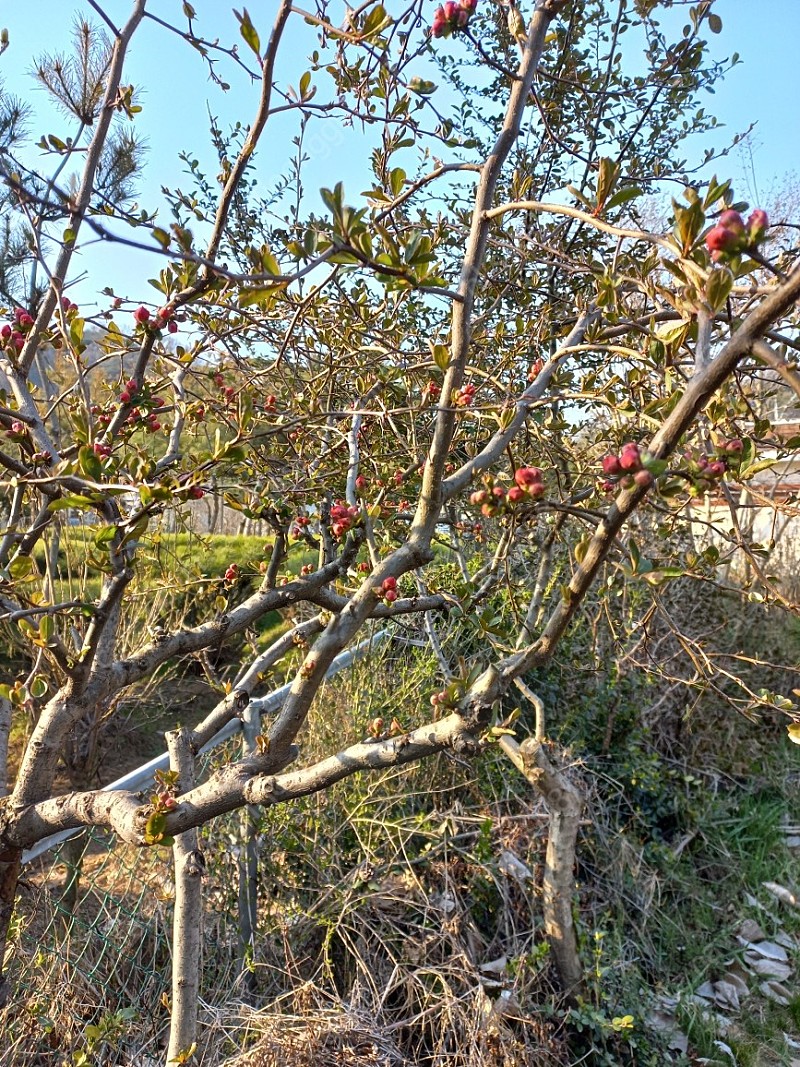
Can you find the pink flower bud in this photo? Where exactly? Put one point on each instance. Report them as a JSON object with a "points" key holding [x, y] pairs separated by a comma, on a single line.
{"points": [[732, 221], [757, 225], [141, 314], [629, 458], [611, 465], [527, 476]]}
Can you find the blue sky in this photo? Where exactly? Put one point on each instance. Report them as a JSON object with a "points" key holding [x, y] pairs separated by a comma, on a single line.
{"points": [[179, 96]]}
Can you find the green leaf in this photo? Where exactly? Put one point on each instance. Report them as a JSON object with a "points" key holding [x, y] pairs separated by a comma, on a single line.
{"points": [[248, 31], [441, 356], [793, 730], [21, 568], [375, 21], [71, 500], [104, 536], [38, 687], [608, 173], [47, 628], [89, 463], [623, 196], [718, 288], [397, 180], [715, 23]]}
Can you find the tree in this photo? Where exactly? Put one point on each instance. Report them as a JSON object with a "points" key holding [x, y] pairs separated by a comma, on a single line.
{"points": [[486, 356]]}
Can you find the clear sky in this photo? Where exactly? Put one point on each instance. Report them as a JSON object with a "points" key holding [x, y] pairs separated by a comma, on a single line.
{"points": [[179, 96]]}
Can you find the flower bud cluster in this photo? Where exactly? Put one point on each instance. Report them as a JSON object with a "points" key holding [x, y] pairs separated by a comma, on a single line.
{"points": [[731, 236], [705, 471], [627, 469], [452, 16], [13, 336], [462, 398], [495, 499], [342, 518], [388, 590]]}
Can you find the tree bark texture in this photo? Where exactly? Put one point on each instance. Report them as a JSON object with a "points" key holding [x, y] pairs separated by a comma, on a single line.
{"points": [[187, 918], [564, 803]]}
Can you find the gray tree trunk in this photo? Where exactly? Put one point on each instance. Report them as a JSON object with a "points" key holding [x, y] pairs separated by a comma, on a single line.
{"points": [[186, 923], [565, 804]]}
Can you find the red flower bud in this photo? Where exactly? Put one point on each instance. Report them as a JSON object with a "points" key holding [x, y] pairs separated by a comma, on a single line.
{"points": [[629, 457], [141, 314], [611, 465], [527, 476], [721, 239]]}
